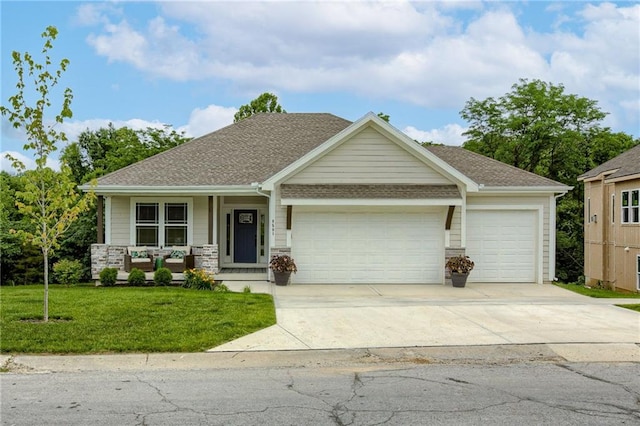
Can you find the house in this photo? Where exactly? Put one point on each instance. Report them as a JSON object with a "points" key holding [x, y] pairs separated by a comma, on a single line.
{"points": [[612, 222], [351, 202]]}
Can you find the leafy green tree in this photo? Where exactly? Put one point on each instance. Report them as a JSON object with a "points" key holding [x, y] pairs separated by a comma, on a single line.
{"points": [[267, 102], [96, 153], [384, 116], [540, 128], [18, 263], [102, 151], [49, 199]]}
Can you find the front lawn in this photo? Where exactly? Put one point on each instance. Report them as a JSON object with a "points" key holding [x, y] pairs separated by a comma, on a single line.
{"points": [[598, 292], [127, 319]]}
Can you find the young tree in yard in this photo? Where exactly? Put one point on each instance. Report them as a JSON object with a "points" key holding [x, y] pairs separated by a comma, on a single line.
{"points": [[267, 102], [49, 199], [539, 128]]}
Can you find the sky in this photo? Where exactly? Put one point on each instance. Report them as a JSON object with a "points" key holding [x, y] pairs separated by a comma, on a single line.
{"points": [[191, 65]]}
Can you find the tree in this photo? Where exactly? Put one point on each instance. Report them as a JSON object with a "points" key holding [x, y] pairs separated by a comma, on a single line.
{"points": [[102, 151], [49, 199], [384, 116], [267, 102], [539, 128]]}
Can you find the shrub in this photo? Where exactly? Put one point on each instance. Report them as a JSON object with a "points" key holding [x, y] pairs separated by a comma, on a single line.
{"points": [[136, 277], [198, 279], [108, 276], [162, 277], [246, 289], [221, 288], [67, 272]]}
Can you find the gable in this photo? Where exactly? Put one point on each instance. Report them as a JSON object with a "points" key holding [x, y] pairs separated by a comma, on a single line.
{"points": [[368, 157]]}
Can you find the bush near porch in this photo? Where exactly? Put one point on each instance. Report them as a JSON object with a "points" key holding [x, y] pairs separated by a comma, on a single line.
{"points": [[87, 319]]}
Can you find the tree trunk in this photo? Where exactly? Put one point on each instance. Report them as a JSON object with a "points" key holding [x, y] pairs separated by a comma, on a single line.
{"points": [[46, 285]]}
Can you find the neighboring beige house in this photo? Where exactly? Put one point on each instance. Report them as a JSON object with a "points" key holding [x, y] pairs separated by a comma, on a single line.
{"points": [[612, 222], [351, 202]]}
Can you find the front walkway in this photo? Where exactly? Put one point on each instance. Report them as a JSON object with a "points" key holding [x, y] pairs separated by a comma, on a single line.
{"points": [[371, 316]]}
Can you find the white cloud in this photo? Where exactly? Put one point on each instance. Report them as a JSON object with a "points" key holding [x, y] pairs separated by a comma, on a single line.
{"points": [[207, 120], [425, 53], [5, 163], [201, 121], [451, 134]]}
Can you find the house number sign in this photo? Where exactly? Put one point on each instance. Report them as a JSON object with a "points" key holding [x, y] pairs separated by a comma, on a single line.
{"points": [[245, 218]]}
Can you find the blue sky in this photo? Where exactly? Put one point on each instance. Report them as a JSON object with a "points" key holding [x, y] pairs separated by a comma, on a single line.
{"points": [[192, 64]]}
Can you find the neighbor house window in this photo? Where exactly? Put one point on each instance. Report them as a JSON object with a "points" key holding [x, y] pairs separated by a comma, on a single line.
{"points": [[162, 223], [588, 210], [631, 206]]}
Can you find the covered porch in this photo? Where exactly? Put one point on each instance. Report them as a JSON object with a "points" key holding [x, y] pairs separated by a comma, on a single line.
{"points": [[227, 234]]}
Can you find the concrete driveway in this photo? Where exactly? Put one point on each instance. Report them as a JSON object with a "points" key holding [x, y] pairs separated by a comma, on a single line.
{"points": [[371, 316]]}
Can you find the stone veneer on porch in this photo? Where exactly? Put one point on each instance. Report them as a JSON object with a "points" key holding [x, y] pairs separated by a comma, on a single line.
{"points": [[112, 256]]}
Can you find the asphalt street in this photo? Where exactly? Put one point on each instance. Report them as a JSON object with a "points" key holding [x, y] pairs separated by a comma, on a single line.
{"points": [[523, 393]]}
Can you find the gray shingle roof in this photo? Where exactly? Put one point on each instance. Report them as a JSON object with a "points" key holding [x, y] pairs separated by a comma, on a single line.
{"points": [[625, 164], [249, 151], [487, 171], [370, 191], [260, 146]]}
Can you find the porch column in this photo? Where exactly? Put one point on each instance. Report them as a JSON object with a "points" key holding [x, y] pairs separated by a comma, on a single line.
{"points": [[212, 227], [100, 215]]}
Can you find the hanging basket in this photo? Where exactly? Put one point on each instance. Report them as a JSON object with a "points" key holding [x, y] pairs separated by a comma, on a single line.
{"points": [[281, 278]]}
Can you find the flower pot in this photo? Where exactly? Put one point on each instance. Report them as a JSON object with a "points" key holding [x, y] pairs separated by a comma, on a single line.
{"points": [[458, 280], [281, 278]]}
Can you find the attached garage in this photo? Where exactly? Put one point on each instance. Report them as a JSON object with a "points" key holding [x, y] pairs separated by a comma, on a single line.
{"points": [[368, 245], [504, 245]]}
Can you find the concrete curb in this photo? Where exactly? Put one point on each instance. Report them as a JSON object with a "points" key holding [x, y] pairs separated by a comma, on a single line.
{"points": [[378, 357]]}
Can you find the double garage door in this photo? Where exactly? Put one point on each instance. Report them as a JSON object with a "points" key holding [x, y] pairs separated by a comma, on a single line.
{"points": [[376, 245]]}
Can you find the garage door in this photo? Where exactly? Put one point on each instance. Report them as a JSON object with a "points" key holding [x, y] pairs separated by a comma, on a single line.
{"points": [[503, 245], [382, 246]]}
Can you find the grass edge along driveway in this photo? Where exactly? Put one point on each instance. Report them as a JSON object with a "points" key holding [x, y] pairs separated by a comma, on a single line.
{"points": [[86, 320], [602, 293]]}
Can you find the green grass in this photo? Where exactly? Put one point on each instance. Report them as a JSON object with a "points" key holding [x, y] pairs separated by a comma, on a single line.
{"points": [[632, 307], [127, 319], [598, 292]]}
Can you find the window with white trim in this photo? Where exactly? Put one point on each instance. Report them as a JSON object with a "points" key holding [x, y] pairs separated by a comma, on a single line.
{"points": [[161, 223], [147, 224], [175, 224], [630, 209]]}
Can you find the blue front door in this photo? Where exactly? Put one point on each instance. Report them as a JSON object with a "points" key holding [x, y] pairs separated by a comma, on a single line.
{"points": [[245, 236]]}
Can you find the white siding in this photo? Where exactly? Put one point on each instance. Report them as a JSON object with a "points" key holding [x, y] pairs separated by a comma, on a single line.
{"points": [[200, 219], [455, 236], [280, 239], [120, 223], [368, 157]]}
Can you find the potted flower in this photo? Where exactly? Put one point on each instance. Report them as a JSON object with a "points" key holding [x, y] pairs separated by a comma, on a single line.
{"points": [[460, 266], [282, 267]]}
